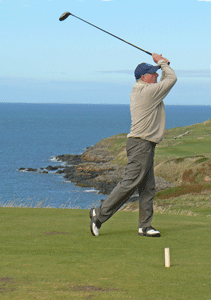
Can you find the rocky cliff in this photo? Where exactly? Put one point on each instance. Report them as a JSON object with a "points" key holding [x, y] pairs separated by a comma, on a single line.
{"points": [[96, 167]]}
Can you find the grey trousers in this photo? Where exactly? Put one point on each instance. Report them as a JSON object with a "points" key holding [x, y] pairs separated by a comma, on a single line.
{"points": [[139, 174]]}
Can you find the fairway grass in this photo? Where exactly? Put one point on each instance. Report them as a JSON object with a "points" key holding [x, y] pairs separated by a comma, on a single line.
{"points": [[51, 254]]}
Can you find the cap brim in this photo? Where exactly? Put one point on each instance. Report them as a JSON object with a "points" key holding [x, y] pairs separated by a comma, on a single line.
{"points": [[153, 69]]}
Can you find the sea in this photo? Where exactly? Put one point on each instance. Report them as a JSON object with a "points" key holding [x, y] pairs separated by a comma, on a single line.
{"points": [[31, 135]]}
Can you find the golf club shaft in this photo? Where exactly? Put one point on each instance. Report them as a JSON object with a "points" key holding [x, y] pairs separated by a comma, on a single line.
{"points": [[111, 34]]}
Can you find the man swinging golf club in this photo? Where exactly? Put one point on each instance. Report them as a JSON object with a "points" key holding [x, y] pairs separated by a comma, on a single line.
{"points": [[147, 129]]}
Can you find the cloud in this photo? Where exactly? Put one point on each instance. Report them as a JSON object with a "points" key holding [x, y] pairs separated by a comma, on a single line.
{"points": [[205, 0], [193, 73], [179, 73]]}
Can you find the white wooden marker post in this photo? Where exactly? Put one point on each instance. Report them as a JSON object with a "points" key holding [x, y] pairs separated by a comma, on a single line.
{"points": [[167, 257]]}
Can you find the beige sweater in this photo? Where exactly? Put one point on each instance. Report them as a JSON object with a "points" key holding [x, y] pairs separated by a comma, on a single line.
{"points": [[147, 107]]}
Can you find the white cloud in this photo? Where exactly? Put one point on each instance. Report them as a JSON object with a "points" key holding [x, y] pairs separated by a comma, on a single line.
{"points": [[194, 73], [179, 73], [205, 0]]}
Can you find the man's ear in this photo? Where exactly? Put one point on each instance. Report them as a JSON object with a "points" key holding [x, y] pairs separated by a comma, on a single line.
{"points": [[142, 77]]}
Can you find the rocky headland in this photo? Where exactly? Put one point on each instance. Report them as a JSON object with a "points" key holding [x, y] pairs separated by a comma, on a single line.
{"points": [[182, 163], [95, 168]]}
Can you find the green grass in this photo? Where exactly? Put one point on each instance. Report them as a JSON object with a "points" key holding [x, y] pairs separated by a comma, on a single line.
{"points": [[191, 204], [51, 254], [182, 190], [196, 142], [181, 149]]}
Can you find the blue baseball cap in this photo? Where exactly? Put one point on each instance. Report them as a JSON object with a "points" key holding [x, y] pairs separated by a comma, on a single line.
{"points": [[145, 68]]}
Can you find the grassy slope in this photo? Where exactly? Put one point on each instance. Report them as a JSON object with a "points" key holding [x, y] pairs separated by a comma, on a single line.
{"points": [[50, 254], [196, 142], [180, 159]]}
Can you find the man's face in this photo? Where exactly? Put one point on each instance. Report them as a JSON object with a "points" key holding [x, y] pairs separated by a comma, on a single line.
{"points": [[151, 78]]}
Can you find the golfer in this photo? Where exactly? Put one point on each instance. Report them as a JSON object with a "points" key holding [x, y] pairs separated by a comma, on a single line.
{"points": [[147, 129]]}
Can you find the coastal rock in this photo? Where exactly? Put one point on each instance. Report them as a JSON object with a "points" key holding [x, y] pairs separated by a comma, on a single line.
{"points": [[103, 176], [60, 172], [21, 169], [27, 169], [50, 168], [31, 170], [95, 169], [69, 159], [44, 172]]}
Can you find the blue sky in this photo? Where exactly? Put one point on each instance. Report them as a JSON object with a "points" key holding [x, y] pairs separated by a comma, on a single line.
{"points": [[44, 60]]}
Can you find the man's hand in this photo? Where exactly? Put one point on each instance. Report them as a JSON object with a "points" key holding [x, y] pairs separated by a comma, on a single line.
{"points": [[156, 57]]}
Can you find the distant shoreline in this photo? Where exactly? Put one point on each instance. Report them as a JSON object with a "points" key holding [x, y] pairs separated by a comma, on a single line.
{"points": [[94, 104]]}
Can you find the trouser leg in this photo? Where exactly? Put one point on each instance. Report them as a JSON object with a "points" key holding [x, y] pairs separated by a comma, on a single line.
{"points": [[146, 194], [140, 155]]}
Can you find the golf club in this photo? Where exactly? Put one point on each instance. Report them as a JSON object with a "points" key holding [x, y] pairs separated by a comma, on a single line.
{"points": [[67, 14]]}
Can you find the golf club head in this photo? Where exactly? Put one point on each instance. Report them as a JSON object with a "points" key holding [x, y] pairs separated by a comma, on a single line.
{"points": [[64, 16]]}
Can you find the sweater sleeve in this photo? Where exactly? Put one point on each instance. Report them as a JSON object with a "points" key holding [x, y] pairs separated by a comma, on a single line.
{"points": [[156, 92], [168, 75], [163, 75]]}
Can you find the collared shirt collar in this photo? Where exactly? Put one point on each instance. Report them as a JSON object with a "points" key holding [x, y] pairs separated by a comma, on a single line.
{"points": [[141, 81]]}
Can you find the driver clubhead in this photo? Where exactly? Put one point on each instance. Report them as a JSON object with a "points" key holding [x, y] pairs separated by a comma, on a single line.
{"points": [[64, 16]]}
